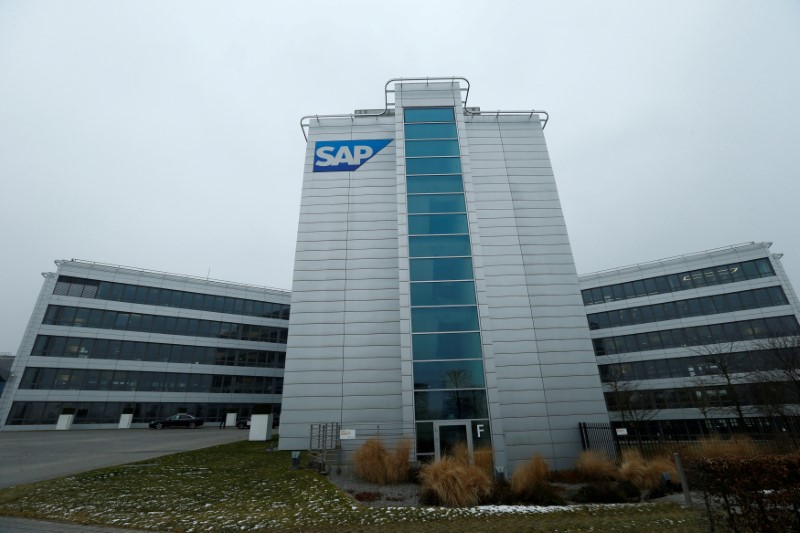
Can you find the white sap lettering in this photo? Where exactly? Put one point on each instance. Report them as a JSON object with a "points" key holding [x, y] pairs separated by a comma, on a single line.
{"points": [[362, 153], [325, 155], [479, 429], [343, 156]]}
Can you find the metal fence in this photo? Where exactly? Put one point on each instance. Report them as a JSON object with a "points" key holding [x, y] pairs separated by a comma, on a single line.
{"points": [[333, 444], [656, 437]]}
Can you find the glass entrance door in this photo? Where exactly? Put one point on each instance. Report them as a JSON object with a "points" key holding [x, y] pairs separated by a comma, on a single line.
{"points": [[447, 435]]}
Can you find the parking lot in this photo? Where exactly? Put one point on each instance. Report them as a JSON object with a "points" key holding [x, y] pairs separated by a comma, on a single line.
{"points": [[29, 456]]}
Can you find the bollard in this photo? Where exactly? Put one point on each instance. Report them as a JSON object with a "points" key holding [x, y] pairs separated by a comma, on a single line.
{"points": [[684, 483], [295, 460]]}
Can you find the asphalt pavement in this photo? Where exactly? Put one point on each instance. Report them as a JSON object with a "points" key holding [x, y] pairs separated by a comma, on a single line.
{"points": [[30, 456]]}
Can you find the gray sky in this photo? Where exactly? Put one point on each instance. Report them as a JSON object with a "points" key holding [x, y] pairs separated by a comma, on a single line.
{"points": [[165, 135]]}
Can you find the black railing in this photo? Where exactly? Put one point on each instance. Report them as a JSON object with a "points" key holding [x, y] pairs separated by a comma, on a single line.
{"points": [[599, 437], [655, 437]]}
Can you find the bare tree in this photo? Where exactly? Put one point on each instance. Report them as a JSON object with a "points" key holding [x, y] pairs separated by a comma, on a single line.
{"points": [[719, 369], [703, 398], [634, 405], [776, 387], [781, 364]]}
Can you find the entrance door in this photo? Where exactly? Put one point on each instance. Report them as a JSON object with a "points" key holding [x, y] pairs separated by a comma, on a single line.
{"points": [[447, 435]]}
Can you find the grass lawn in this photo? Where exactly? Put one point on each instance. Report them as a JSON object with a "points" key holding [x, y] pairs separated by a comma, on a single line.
{"points": [[242, 487]]}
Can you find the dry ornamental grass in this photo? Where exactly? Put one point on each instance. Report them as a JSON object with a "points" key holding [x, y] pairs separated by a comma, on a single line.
{"points": [[534, 472], [717, 447], [454, 483], [595, 466], [374, 463], [646, 473], [484, 459], [370, 461]]}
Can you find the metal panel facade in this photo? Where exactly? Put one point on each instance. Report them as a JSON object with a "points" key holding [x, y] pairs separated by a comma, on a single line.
{"points": [[351, 306]]}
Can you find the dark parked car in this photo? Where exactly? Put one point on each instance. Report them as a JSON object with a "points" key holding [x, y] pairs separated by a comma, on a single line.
{"points": [[177, 421]]}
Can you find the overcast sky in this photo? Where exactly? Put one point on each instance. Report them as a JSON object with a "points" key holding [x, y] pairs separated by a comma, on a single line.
{"points": [[164, 135]]}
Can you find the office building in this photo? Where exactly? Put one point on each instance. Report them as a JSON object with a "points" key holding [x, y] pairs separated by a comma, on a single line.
{"points": [[435, 295], [104, 339], [696, 343], [6, 359]]}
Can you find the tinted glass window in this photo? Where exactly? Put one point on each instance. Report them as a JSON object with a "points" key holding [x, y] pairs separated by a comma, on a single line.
{"points": [[431, 148], [748, 301], [697, 278], [662, 284], [597, 295], [446, 346], [443, 293], [429, 114], [777, 296], [650, 286], [750, 270], [764, 267], [425, 442], [736, 272], [437, 246], [435, 319], [617, 292], [431, 131], [445, 405], [627, 288], [433, 165], [450, 268], [435, 183], [436, 203], [437, 224], [449, 375]]}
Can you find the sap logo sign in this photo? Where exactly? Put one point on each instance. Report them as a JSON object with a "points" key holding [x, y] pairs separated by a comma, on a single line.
{"points": [[345, 156]]}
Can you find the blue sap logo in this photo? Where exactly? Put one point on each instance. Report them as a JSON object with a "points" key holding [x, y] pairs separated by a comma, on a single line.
{"points": [[345, 156]]}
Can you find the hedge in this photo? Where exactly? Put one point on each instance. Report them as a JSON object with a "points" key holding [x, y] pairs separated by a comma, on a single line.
{"points": [[760, 494]]}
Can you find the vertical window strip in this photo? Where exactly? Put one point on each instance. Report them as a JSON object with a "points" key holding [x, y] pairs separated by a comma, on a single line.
{"points": [[425, 131]]}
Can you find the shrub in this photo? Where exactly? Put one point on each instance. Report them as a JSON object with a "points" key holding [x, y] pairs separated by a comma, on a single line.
{"points": [[635, 469], [397, 463], [529, 483], [630, 491], [540, 494], [646, 473], [595, 466], [756, 493], [459, 453], [659, 465], [571, 477], [371, 459], [534, 472], [501, 493], [450, 482], [482, 457], [607, 492], [413, 473], [375, 464], [484, 460]]}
